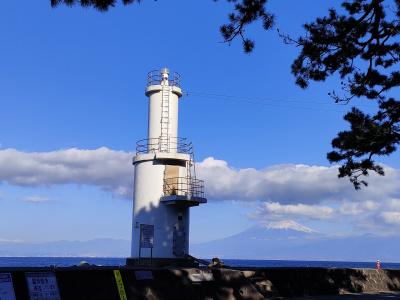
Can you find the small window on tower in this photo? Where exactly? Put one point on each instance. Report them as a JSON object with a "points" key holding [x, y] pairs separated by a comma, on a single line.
{"points": [[180, 218]]}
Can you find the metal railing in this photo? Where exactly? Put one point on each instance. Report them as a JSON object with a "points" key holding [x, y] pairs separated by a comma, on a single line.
{"points": [[170, 144], [184, 186], [155, 78]]}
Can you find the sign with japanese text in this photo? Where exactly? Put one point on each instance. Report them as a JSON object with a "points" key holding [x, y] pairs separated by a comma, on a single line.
{"points": [[6, 287], [42, 286], [146, 236]]}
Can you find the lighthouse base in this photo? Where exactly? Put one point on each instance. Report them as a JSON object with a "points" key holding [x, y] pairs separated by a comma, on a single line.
{"points": [[162, 262]]}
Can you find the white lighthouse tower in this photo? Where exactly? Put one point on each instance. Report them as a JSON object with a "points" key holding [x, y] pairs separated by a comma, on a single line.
{"points": [[165, 184]]}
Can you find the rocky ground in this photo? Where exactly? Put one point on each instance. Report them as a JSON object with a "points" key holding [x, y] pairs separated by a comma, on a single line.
{"points": [[374, 296]]}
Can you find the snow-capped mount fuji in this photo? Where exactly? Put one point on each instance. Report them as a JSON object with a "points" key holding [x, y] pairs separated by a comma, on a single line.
{"points": [[288, 240], [263, 241], [278, 232], [288, 225]]}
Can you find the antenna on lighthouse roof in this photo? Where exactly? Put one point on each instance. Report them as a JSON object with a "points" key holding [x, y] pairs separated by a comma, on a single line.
{"points": [[165, 72], [164, 75]]}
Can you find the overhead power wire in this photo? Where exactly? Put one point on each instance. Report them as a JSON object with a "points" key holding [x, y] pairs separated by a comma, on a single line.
{"points": [[274, 102]]}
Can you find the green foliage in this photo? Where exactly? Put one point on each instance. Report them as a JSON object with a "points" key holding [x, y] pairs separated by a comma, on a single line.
{"points": [[245, 13], [101, 5], [346, 43], [368, 136], [362, 47]]}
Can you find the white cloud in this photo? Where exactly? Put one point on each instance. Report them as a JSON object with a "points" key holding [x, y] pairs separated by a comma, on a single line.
{"points": [[394, 204], [391, 217], [108, 169], [356, 208], [112, 171], [36, 199], [10, 240], [382, 217], [307, 194], [294, 191], [300, 210], [291, 183]]}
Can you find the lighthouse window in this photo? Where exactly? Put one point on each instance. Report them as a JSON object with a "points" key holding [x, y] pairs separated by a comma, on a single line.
{"points": [[180, 218]]}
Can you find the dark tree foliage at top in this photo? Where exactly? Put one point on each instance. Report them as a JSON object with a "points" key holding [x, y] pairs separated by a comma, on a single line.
{"points": [[361, 44], [102, 5], [245, 12]]}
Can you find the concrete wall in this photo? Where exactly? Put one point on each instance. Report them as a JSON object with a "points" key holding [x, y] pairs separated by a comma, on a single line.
{"points": [[191, 283]]}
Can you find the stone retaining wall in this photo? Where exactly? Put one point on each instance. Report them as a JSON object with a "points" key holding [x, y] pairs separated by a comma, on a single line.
{"points": [[195, 283]]}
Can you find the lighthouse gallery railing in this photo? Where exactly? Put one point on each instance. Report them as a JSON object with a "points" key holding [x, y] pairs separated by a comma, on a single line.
{"points": [[155, 78], [184, 186], [171, 144]]}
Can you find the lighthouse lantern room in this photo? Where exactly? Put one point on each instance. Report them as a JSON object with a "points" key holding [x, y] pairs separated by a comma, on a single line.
{"points": [[165, 183]]}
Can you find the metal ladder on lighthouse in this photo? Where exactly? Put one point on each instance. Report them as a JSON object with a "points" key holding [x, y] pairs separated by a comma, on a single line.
{"points": [[164, 135], [190, 175]]}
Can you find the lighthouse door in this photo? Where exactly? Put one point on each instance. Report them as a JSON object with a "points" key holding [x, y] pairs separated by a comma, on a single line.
{"points": [[171, 180], [179, 238]]}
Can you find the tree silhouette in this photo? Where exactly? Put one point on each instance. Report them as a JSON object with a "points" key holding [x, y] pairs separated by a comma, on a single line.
{"points": [[361, 45], [245, 12], [102, 5]]}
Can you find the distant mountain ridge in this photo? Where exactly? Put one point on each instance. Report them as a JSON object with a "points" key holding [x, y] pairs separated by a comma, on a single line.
{"points": [[291, 243], [106, 247], [274, 241]]}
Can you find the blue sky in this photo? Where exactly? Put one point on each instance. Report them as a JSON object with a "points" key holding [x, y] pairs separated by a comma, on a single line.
{"points": [[75, 78]]}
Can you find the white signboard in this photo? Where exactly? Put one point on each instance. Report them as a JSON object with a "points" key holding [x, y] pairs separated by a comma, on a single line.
{"points": [[6, 287], [42, 286], [146, 236]]}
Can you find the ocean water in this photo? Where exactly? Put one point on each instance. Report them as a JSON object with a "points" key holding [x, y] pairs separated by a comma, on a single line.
{"points": [[71, 261]]}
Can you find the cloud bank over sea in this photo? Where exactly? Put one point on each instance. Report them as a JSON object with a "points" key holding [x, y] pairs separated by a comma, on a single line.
{"points": [[286, 192], [107, 169]]}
